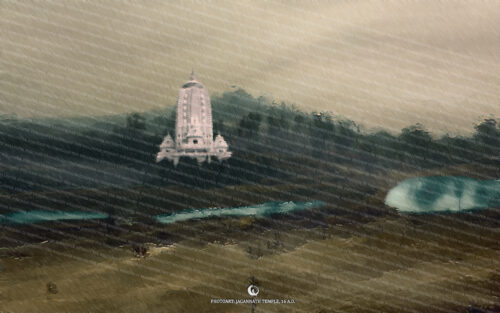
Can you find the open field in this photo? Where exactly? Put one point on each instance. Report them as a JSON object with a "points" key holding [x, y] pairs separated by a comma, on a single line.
{"points": [[353, 255], [389, 263]]}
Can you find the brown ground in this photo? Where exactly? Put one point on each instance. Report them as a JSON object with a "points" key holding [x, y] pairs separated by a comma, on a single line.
{"points": [[354, 255], [392, 263]]}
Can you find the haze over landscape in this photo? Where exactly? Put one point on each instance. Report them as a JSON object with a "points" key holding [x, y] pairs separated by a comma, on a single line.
{"points": [[355, 165], [436, 63]]}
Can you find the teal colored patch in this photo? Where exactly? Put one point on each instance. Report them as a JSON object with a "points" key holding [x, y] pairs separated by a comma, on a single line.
{"points": [[264, 209], [38, 216], [443, 194]]}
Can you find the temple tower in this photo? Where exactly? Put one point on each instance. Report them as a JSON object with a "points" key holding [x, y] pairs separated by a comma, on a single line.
{"points": [[193, 128]]}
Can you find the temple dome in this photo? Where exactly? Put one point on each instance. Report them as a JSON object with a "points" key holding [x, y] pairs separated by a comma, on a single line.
{"points": [[192, 82], [167, 142], [220, 142]]}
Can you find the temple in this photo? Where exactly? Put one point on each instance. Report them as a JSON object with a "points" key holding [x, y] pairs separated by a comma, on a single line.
{"points": [[193, 128]]}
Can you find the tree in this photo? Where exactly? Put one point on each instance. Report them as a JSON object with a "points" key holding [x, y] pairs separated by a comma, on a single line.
{"points": [[163, 124], [378, 149], [345, 135], [250, 125], [219, 126], [135, 122], [488, 135], [133, 140], [416, 140], [322, 130]]}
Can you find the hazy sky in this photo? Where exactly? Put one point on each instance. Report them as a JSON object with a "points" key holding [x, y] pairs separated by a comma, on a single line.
{"points": [[381, 63]]}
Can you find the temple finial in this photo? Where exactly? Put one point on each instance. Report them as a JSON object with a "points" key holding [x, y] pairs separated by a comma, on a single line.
{"points": [[192, 75]]}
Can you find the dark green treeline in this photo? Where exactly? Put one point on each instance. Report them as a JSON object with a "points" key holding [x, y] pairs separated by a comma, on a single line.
{"points": [[272, 143]]}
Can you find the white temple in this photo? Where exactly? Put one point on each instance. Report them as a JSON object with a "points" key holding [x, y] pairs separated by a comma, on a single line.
{"points": [[193, 128]]}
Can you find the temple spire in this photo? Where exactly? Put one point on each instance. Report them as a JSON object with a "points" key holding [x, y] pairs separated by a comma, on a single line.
{"points": [[193, 128]]}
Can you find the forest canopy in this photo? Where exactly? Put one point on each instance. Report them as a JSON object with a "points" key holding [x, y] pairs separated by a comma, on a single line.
{"points": [[267, 139]]}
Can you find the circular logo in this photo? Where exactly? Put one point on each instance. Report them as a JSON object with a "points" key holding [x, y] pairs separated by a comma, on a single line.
{"points": [[253, 290]]}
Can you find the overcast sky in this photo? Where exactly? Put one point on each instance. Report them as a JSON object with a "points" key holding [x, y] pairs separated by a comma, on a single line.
{"points": [[383, 64]]}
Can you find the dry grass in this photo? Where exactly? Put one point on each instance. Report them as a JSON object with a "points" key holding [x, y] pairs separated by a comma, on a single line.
{"points": [[392, 264]]}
